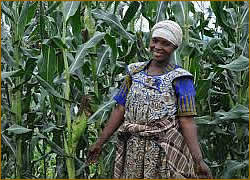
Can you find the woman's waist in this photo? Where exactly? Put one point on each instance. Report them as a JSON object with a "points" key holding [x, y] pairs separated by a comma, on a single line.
{"points": [[149, 128]]}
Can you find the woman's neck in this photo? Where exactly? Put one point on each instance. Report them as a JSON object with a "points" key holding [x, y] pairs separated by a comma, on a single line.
{"points": [[157, 68], [159, 64]]}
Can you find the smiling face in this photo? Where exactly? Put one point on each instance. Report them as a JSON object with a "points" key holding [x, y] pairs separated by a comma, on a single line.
{"points": [[161, 49]]}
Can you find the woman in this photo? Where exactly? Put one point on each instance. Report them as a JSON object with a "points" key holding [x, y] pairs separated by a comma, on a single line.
{"points": [[157, 137]]}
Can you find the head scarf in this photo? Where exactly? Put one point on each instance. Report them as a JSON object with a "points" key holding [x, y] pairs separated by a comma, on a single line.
{"points": [[168, 30]]}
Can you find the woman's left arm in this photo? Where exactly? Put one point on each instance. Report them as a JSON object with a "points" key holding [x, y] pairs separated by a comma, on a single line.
{"points": [[189, 131]]}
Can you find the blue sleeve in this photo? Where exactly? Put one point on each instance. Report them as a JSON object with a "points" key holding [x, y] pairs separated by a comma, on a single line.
{"points": [[121, 96], [185, 92]]}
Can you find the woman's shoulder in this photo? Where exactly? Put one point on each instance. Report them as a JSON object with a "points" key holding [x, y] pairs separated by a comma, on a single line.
{"points": [[136, 67], [178, 72]]}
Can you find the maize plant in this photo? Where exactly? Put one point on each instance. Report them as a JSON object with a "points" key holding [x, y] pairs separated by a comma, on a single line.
{"points": [[62, 62]]}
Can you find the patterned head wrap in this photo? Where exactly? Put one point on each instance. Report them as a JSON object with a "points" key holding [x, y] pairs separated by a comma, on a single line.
{"points": [[168, 30]]}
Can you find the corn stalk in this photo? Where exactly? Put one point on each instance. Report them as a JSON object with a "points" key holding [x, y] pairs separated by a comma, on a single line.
{"points": [[17, 118], [17, 110], [16, 101], [69, 160], [94, 58], [186, 34], [75, 129]]}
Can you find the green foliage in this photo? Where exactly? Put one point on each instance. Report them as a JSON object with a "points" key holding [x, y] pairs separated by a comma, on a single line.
{"points": [[62, 62], [78, 129], [82, 51], [16, 129], [69, 9]]}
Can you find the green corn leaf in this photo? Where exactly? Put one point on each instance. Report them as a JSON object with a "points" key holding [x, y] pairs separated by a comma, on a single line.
{"points": [[245, 117], [132, 50], [102, 59], [179, 11], [221, 18], [105, 107], [237, 114], [7, 11], [161, 11], [53, 7], [30, 65], [30, 53], [116, 5], [31, 11], [89, 22], [42, 20], [212, 91], [34, 141], [16, 73], [240, 109], [81, 169], [82, 51], [108, 158], [22, 20], [148, 10], [54, 147], [7, 141], [112, 43], [244, 18], [240, 64], [16, 129], [78, 128], [98, 36], [113, 21], [77, 24], [49, 88], [47, 64], [7, 57], [55, 42], [232, 166], [69, 9], [66, 145], [50, 127], [219, 12], [130, 13], [204, 120]]}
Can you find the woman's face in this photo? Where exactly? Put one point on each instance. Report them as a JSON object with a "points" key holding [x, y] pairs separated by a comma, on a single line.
{"points": [[161, 49]]}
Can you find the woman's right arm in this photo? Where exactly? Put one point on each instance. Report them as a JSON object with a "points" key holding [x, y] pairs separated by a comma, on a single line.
{"points": [[115, 120]]}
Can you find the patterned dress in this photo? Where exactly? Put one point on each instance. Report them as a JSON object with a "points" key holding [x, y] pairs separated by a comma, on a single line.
{"points": [[150, 144]]}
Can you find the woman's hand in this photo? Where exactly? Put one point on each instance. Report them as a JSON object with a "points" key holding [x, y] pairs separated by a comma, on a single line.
{"points": [[203, 170], [189, 132], [115, 120], [94, 153]]}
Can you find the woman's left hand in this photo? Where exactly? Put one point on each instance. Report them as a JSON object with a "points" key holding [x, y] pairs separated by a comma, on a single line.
{"points": [[203, 170]]}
